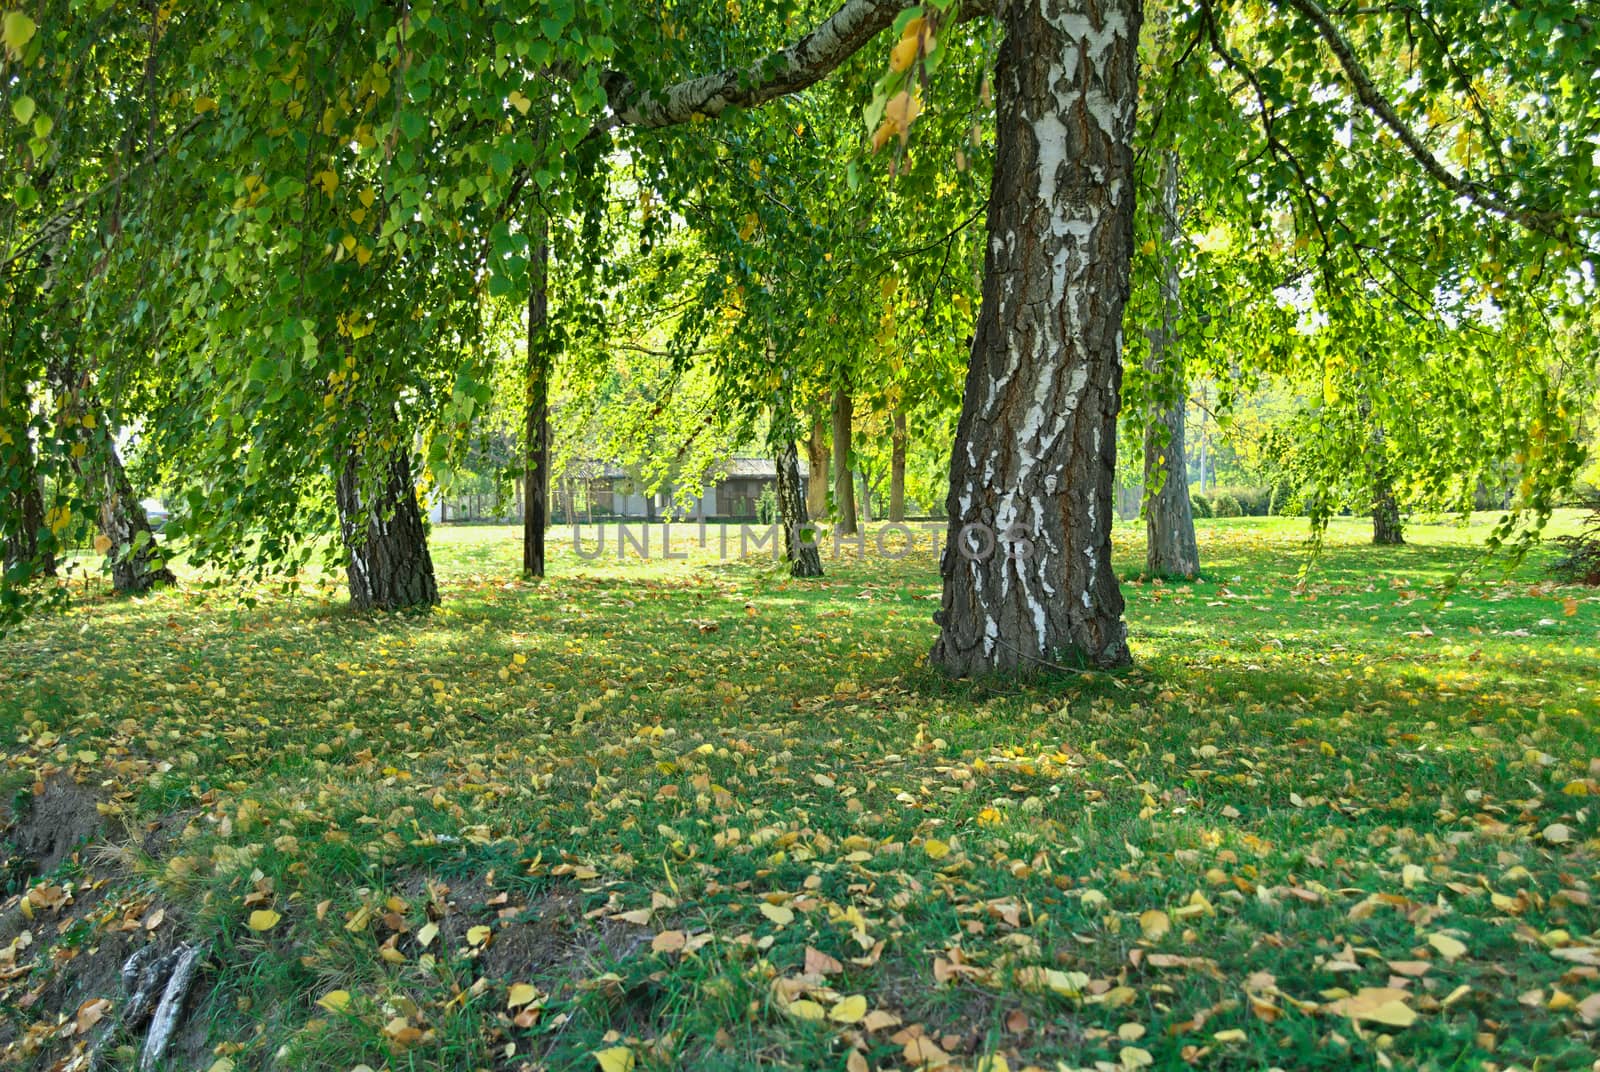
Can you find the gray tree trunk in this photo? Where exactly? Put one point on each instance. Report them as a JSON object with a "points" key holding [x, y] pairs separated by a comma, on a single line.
{"points": [[389, 566], [844, 482], [897, 468], [135, 557], [804, 558], [536, 419], [1172, 550], [817, 470], [1035, 451]]}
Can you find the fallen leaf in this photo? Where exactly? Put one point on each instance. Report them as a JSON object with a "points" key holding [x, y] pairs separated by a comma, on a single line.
{"points": [[1449, 948], [850, 1010], [1155, 924], [614, 1059], [263, 919]]}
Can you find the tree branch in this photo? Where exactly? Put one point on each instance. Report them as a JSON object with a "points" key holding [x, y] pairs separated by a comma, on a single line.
{"points": [[790, 70], [1543, 221], [53, 226]]}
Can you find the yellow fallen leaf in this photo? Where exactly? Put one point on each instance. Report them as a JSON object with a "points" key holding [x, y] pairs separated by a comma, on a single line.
{"points": [[779, 914], [478, 935], [1377, 1004], [427, 934], [805, 1010], [936, 849], [335, 1000], [520, 994], [263, 919], [850, 1010], [1155, 924], [614, 1059], [1135, 1057], [1557, 833], [995, 1062], [1449, 948]]}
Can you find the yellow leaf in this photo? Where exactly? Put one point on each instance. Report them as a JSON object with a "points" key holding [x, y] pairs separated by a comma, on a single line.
{"points": [[1135, 1057], [1379, 1005], [263, 919], [748, 227], [614, 1059], [427, 934], [520, 994], [936, 849], [995, 1062], [202, 105], [335, 1000], [1557, 833], [805, 1010], [777, 913], [102, 543], [221, 1064], [1155, 924], [519, 101], [328, 179], [849, 1011], [477, 935], [903, 54], [1448, 947]]}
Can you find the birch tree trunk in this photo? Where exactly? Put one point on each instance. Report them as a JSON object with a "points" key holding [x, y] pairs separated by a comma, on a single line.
{"points": [[804, 558], [1035, 451], [897, 469], [817, 470], [389, 566], [1171, 548], [536, 424], [134, 555], [844, 481]]}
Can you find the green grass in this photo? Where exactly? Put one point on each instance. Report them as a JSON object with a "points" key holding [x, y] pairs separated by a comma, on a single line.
{"points": [[1312, 777]]}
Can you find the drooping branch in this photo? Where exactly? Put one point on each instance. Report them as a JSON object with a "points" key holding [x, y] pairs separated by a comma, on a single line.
{"points": [[790, 70], [1550, 222], [56, 224]]}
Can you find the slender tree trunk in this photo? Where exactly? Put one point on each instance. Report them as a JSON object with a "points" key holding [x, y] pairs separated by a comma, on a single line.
{"points": [[804, 558], [536, 429], [865, 497], [1387, 528], [844, 482], [1172, 550], [21, 501], [389, 566], [817, 470], [134, 555], [1033, 465], [897, 468]]}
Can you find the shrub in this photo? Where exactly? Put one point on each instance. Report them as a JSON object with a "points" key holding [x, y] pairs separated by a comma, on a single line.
{"points": [[767, 505], [1253, 501], [1201, 506], [1581, 561], [1225, 505]]}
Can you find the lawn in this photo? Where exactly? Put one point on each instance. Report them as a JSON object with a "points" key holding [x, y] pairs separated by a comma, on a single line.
{"points": [[695, 814]]}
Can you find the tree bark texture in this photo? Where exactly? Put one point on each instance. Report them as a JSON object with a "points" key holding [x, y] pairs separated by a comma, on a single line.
{"points": [[387, 544], [21, 500], [804, 558], [536, 425], [1171, 547], [844, 481], [1032, 470], [817, 470]]}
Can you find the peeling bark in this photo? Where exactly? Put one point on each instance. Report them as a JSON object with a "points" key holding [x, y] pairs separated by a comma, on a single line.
{"points": [[389, 566], [536, 425], [1171, 547], [844, 480], [1035, 451]]}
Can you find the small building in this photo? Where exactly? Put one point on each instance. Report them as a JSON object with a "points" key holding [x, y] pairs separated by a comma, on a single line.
{"points": [[734, 493]]}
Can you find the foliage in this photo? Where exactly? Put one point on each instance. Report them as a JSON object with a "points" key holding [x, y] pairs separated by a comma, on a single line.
{"points": [[1201, 506], [633, 808], [1581, 561]]}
